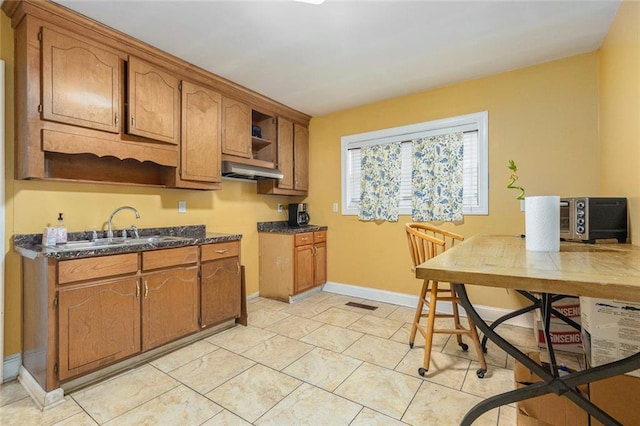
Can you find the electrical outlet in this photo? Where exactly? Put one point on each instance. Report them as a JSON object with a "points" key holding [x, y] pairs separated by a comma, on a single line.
{"points": [[279, 207], [335, 207], [182, 206]]}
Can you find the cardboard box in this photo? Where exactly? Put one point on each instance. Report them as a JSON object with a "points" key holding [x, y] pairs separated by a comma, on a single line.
{"points": [[549, 409], [564, 337], [619, 397], [610, 330]]}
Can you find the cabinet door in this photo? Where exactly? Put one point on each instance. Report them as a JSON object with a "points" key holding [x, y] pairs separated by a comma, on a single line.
{"points": [[304, 264], [320, 264], [285, 153], [201, 133], [98, 325], [220, 291], [154, 102], [236, 128], [169, 306], [301, 158], [80, 83]]}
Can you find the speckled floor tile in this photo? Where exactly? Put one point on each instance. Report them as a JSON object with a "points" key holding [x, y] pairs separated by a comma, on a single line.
{"points": [[387, 391], [239, 339], [278, 352], [305, 309], [446, 370], [368, 417], [179, 406], [265, 317], [493, 357], [507, 416], [80, 419], [497, 380], [295, 327], [226, 418], [254, 392], [182, 356], [333, 338], [403, 314], [274, 305], [338, 317], [25, 412], [11, 392], [382, 352], [323, 368], [446, 405], [113, 397], [376, 326], [339, 300], [312, 406], [211, 370]]}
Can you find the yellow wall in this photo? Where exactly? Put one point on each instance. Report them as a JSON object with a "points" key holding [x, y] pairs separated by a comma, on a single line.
{"points": [[619, 105], [544, 117]]}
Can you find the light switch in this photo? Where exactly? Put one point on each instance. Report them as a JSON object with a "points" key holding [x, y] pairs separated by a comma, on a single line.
{"points": [[335, 207], [182, 206]]}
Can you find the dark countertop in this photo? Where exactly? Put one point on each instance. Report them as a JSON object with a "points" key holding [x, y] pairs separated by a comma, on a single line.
{"points": [[30, 245], [282, 227]]}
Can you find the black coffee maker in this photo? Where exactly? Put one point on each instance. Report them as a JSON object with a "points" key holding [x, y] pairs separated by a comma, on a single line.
{"points": [[298, 215]]}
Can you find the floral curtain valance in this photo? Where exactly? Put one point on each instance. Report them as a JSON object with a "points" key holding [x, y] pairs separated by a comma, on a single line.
{"points": [[437, 178], [380, 182]]}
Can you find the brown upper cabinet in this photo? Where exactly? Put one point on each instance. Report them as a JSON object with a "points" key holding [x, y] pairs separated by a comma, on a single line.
{"points": [[95, 105], [293, 161], [236, 128], [80, 82], [154, 102], [201, 133]]}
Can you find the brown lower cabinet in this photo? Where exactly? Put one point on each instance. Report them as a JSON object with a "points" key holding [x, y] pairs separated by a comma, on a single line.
{"points": [[83, 314], [99, 324], [292, 263]]}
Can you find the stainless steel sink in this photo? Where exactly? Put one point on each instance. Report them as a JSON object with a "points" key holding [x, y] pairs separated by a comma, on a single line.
{"points": [[114, 242]]}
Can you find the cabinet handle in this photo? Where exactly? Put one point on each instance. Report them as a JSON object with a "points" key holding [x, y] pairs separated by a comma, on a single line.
{"points": [[222, 251], [116, 120], [138, 290], [133, 121], [238, 265], [315, 250], [146, 289]]}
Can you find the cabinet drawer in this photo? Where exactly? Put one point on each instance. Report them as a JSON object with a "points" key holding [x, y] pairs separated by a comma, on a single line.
{"points": [[97, 267], [320, 237], [169, 257], [304, 239], [220, 250]]}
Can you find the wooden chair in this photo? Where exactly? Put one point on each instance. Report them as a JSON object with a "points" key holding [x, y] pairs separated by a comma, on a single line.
{"points": [[425, 242]]}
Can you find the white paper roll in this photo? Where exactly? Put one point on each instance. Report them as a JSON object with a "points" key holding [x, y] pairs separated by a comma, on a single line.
{"points": [[542, 223]]}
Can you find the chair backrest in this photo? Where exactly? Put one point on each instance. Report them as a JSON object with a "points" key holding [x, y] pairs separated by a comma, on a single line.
{"points": [[427, 241]]}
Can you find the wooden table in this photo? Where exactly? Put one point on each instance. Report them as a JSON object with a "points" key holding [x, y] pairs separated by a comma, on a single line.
{"points": [[596, 270]]}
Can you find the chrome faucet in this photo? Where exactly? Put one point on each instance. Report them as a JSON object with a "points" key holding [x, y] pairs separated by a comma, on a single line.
{"points": [[109, 225]]}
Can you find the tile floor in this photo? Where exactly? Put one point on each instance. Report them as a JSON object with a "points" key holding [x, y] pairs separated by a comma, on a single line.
{"points": [[316, 362]]}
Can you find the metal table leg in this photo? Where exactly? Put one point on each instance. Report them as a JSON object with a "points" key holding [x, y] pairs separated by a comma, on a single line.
{"points": [[551, 381], [535, 304]]}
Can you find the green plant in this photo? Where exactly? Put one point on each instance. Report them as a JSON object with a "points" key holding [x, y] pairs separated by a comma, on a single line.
{"points": [[513, 178]]}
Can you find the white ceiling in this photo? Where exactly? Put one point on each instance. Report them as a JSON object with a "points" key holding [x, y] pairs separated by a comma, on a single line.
{"points": [[324, 58]]}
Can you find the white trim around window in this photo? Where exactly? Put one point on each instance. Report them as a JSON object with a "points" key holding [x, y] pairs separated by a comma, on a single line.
{"points": [[476, 159]]}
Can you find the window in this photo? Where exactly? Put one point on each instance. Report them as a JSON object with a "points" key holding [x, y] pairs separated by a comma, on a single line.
{"points": [[476, 172]]}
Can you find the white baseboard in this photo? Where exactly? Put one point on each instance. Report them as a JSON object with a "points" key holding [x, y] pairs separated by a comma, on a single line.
{"points": [[488, 313], [43, 399], [11, 367]]}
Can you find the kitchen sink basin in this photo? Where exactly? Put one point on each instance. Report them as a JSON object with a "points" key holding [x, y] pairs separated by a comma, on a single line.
{"points": [[114, 242]]}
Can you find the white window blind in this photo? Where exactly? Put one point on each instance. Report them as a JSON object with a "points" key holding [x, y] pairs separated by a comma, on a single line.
{"points": [[475, 164]]}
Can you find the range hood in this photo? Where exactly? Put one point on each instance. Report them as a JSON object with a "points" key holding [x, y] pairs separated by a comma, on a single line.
{"points": [[232, 169]]}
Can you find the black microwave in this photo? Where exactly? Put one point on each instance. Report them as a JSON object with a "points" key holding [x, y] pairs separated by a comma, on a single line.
{"points": [[593, 218]]}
